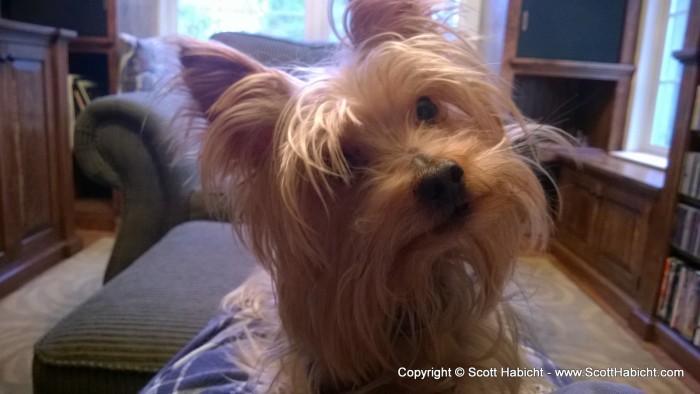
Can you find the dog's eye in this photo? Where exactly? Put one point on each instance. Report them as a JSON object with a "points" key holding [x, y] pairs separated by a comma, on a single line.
{"points": [[426, 111], [354, 157]]}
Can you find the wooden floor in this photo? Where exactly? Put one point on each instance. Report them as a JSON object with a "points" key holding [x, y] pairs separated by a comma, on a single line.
{"points": [[658, 353], [89, 237]]}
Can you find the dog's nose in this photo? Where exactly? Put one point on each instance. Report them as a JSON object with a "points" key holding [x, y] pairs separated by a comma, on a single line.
{"points": [[442, 186]]}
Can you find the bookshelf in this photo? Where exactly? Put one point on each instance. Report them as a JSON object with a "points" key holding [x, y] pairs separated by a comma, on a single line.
{"points": [[93, 53], [570, 64], [675, 300], [618, 220]]}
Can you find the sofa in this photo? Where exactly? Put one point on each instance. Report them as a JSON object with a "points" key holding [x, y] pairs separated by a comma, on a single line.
{"points": [[172, 262]]}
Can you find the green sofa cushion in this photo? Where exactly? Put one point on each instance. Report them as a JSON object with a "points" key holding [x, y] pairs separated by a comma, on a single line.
{"points": [[126, 332]]}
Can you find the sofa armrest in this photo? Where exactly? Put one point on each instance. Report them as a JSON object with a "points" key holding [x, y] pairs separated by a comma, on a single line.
{"points": [[126, 142]]}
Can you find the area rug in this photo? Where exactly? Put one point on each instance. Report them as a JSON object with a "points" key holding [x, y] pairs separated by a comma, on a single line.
{"points": [[31, 311], [576, 333]]}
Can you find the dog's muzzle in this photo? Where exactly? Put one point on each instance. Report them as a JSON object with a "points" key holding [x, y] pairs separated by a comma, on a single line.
{"points": [[441, 187]]}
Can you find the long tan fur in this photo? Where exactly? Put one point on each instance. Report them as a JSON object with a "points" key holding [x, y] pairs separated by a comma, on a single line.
{"points": [[319, 179]]}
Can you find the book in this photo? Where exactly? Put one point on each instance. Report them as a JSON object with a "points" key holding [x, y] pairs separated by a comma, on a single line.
{"points": [[664, 288], [694, 175], [693, 245], [85, 88], [688, 315], [683, 188], [696, 338], [71, 110], [679, 297], [80, 104], [690, 176], [680, 222], [671, 289], [695, 119]]}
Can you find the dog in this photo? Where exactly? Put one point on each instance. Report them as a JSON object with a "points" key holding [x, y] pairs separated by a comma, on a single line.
{"points": [[384, 200]]}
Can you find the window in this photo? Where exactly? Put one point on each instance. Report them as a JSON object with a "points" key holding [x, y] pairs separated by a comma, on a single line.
{"points": [[657, 81], [293, 19]]}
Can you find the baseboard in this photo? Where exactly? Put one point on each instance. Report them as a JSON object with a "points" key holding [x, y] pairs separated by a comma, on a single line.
{"points": [[22, 271], [603, 291]]}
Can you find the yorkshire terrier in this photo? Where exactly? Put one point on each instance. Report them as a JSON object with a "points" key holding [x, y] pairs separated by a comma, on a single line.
{"points": [[384, 200]]}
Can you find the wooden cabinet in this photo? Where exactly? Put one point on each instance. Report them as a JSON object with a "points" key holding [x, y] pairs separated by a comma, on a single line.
{"points": [[622, 230], [570, 65], [579, 210], [36, 214], [604, 224], [94, 56]]}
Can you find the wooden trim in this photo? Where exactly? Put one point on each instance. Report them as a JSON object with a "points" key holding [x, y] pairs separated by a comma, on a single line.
{"points": [[645, 179], [113, 71], [642, 324], [694, 202], [631, 31], [685, 354], [59, 68], [692, 32], [111, 12], [687, 258], [575, 267], [616, 135], [510, 47], [14, 276], [687, 55], [32, 34], [26, 29], [91, 44], [622, 304], [572, 69]]}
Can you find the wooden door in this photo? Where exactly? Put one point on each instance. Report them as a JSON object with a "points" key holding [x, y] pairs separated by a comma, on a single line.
{"points": [[30, 171], [579, 202], [623, 231]]}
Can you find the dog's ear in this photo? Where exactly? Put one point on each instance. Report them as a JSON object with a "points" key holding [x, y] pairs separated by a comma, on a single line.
{"points": [[242, 101], [243, 119], [369, 22], [210, 68]]}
